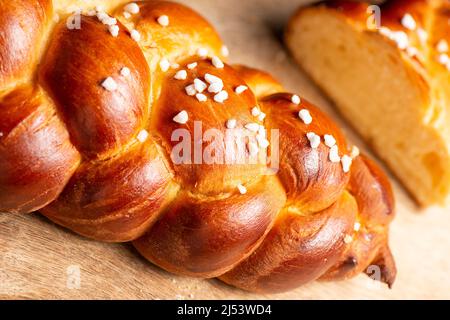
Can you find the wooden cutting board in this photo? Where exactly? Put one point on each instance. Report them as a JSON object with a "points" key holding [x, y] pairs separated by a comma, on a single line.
{"points": [[41, 260]]}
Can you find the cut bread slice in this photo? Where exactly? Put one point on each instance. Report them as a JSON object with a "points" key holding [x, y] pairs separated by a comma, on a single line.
{"points": [[391, 82]]}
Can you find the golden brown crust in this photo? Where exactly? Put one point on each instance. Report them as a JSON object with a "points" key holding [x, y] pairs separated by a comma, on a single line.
{"points": [[99, 121], [298, 249], [392, 11], [103, 157], [117, 199], [391, 14], [204, 116], [261, 83], [372, 192], [207, 237], [22, 23], [169, 42], [312, 181], [36, 156]]}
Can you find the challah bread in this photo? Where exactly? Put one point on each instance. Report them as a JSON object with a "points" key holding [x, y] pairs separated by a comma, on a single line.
{"points": [[392, 81], [90, 119]]}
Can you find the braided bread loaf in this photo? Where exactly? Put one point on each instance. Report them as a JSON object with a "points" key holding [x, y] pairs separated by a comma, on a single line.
{"points": [[87, 121]]}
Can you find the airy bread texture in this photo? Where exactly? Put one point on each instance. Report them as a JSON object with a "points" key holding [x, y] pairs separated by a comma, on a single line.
{"points": [[87, 117], [391, 83]]}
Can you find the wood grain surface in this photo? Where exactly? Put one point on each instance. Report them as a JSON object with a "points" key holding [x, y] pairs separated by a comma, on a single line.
{"points": [[40, 260]]}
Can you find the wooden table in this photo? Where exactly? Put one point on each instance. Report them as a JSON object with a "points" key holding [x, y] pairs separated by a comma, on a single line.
{"points": [[38, 259]]}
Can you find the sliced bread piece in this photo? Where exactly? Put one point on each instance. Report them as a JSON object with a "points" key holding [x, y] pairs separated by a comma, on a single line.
{"points": [[391, 81]]}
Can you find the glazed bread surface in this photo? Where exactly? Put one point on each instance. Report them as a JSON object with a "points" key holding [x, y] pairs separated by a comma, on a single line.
{"points": [[391, 81], [87, 122]]}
